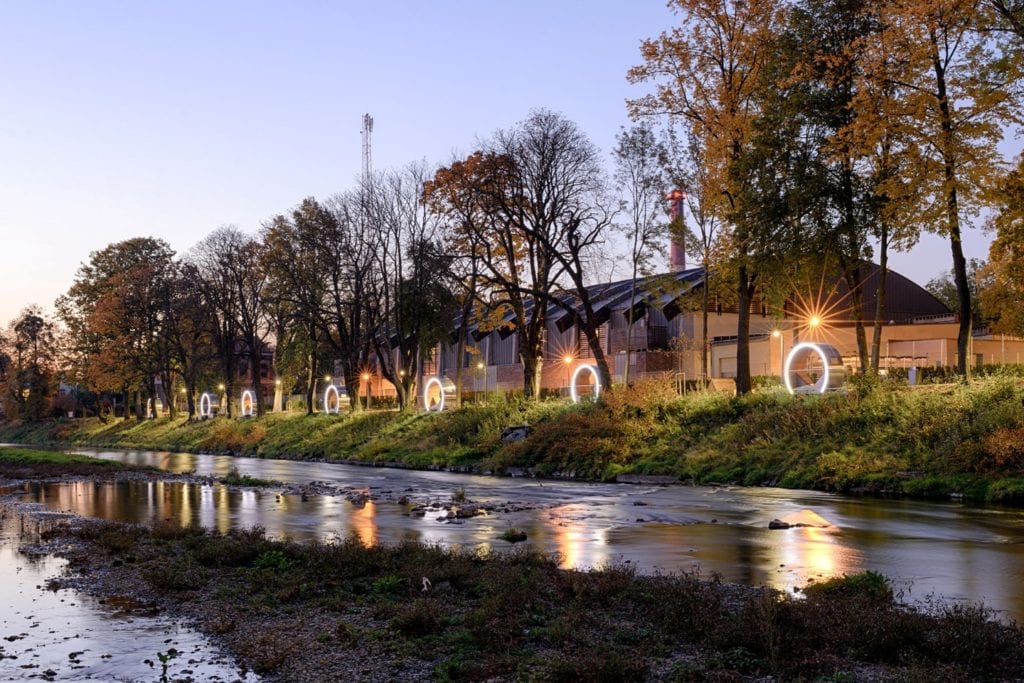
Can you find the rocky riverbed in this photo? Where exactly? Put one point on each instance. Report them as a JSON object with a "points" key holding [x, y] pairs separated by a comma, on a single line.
{"points": [[339, 609]]}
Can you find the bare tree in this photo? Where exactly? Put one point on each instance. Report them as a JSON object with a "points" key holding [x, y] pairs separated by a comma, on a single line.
{"points": [[641, 181], [230, 264], [531, 206], [414, 307]]}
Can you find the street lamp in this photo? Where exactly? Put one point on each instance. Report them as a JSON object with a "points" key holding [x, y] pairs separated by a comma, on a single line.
{"points": [[567, 359], [483, 372], [777, 333], [366, 381]]}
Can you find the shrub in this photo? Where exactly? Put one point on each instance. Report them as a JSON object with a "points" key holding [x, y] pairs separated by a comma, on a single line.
{"points": [[421, 618], [870, 585]]}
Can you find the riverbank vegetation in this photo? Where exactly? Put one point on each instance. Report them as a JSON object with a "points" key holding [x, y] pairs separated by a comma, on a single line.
{"points": [[932, 441], [24, 463], [413, 612]]}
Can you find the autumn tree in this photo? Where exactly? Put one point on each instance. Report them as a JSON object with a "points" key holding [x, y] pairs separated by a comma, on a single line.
{"points": [[28, 356], [708, 72], [1003, 299], [115, 312], [959, 87]]}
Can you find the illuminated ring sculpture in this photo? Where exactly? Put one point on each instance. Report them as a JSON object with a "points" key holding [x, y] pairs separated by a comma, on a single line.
{"points": [[575, 378], [205, 406], [331, 389], [824, 352], [248, 403], [426, 394]]}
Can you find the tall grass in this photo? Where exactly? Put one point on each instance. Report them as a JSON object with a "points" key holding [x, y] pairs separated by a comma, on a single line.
{"points": [[929, 441]]}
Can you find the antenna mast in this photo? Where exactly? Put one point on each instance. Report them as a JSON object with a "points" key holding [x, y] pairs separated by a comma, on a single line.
{"points": [[367, 161]]}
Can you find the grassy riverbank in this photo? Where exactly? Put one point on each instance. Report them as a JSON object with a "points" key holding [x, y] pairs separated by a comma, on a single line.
{"points": [[412, 612], [24, 463], [927, 442]]}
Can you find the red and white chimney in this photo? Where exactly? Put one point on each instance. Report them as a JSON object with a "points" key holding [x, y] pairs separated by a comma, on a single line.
{"points": [[677, 250]]}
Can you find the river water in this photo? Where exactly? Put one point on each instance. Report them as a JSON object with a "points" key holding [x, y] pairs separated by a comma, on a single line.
{"points": [[62, 634], [948, 550]]}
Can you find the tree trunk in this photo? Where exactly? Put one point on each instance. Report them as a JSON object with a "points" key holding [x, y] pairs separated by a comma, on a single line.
{"points": [[963, 292], [531, 376], [744, 291], [854, 283], [963, 295], [706, 298], [311, 375], [883, 267], [255, 376], [600, 359]]}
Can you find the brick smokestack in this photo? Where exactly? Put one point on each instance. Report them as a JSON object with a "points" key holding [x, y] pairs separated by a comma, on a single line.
{"points": [[677, 210]]}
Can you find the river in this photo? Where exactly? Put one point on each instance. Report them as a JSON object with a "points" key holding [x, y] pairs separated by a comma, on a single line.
{"points": [[950, 550]]}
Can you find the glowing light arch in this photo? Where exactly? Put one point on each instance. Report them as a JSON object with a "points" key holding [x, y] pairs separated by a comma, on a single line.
{"points": [[426, 394], [205, 406], [248, 403], [575, 378], [331, 389], [825, 353]]}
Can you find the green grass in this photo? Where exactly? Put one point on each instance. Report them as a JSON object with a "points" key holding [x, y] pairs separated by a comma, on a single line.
{"points": [[24, 463], [235, 478], [930, 442]]}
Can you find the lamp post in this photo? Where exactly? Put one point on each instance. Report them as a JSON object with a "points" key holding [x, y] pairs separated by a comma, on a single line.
{"points": [[777, 333], [483, 373], [366, 381], [567, 359]]}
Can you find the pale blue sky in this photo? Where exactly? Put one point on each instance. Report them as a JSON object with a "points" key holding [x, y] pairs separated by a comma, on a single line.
{"points": [[121, 119]]}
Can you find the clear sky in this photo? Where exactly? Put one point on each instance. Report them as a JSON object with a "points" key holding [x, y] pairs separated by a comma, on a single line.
{"points": [[169, 119]]}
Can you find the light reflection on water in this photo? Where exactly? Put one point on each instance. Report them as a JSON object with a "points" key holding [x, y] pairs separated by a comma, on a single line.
{"points": [[67, 635], [951, 550]]}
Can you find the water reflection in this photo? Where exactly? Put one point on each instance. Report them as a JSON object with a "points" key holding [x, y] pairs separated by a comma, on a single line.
{"points": [[952, 550], [75, 637]]}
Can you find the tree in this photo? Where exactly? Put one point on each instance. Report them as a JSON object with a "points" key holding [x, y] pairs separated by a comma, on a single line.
{"points": [[943, 288], [838, 190], [414, 307], [642, 183], [960, 87], [345, 243], [1003, 298], [530, 207], [1010, 15], [190, 330], [116, 311], [27, 365], [295, 262], [685, 159], [230, 265], [708, 72]]}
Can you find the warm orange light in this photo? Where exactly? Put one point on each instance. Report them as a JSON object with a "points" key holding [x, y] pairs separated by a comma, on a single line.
{"points": [[567, 359], [327, 378], [366, 377], [776, 333], [221, 387], [480, 366], [814, 321]]}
